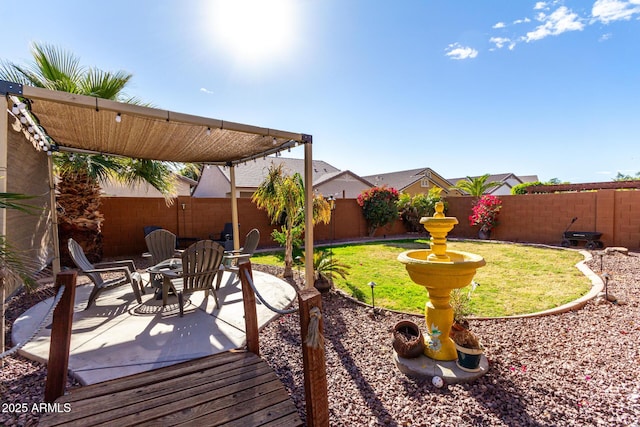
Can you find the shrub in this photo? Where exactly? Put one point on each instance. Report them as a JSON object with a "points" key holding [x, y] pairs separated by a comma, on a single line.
{"points": [[412, 209], [522, 188], [485, 212], [379, 207]]}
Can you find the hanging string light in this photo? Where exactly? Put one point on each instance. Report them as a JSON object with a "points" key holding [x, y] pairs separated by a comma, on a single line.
{"points": [[30, 127]]}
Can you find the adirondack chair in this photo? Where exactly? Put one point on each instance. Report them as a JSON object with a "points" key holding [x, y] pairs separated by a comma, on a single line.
{"points": [[161, 245], [233, 259], [125, 269], [200, 264]]}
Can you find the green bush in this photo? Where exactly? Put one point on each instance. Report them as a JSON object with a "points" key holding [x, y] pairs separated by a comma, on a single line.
{"points": [[522, 188], [411, 209]]}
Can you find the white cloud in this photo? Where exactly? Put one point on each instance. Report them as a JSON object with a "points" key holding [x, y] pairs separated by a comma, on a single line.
{"points": [[457, 51], [554, 19], [558, 22], [207, 91], [501, 42], [607, 11], [522, 21]]}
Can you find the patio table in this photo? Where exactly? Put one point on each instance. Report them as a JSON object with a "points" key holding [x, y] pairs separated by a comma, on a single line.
{"points": [[155, 273]]}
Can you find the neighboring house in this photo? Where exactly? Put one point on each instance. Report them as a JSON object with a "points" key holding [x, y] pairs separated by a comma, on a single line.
{"points": [[413, 181], [341, 185], [507, 182], [184, 186], [327, 180]]}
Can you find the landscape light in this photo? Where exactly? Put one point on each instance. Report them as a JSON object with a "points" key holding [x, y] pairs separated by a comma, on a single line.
{"points": [[373, 301]]}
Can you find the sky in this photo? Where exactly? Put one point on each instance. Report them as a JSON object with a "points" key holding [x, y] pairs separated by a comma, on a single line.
{"points": [[463, 87]]}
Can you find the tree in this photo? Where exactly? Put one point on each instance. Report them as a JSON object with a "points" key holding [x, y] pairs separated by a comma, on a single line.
{"points": [[622, 177], [283, 197], [79, 176], [379, 207], [477, 186]]}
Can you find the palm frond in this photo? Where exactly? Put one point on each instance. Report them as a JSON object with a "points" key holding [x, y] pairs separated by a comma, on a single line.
{"points": [[54, 68], [104, 84], [15, 265], [98, 167], [10, 72], [155, 173], [7, 201]]}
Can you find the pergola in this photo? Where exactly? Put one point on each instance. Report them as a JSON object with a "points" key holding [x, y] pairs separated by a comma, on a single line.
{"points": [[77, 123]]}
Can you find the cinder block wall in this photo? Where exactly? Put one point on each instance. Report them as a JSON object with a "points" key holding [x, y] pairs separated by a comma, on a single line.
{"points": [[534, 218], [542, 218]]}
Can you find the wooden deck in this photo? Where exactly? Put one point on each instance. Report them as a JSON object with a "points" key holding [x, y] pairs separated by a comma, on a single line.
{"points": [[226, 389]]}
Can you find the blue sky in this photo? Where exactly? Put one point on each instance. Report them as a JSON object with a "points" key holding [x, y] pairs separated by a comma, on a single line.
{"points": [[463, 87]]}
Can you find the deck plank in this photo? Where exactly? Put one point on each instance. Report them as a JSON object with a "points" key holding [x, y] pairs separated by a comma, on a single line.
{"points": [[208, 391], [137, 380], [154, 393]]}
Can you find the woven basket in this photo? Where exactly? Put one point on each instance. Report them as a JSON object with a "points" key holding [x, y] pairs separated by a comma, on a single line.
{"points": [[407, 339]]}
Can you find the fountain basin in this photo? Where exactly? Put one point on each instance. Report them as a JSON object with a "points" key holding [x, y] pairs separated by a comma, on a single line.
{"points": [[456, 270]]}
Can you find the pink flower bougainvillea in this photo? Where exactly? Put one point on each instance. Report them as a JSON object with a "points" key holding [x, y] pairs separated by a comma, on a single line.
{"points": [[379, 207], [485, 212]]}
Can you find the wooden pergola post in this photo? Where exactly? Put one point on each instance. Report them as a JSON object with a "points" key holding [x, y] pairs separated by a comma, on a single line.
{"points": [[60, 337], [313, 357], [4, 142], [250, 312]]}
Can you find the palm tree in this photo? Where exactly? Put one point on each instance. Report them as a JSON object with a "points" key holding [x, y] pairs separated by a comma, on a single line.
{"points": [[476, 187], [282, 196], [79, 176]]}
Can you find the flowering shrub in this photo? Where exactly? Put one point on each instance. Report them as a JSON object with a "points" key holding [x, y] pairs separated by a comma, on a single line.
{"points": [[379, 207], [485, 212]]}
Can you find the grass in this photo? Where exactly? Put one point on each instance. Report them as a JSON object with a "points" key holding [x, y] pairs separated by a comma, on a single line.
{"points": [[517, 279]]}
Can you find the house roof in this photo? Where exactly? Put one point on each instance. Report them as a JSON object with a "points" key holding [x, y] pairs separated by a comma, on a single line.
{"points": [[89, 124], [251, 174], [334, 175], [397, 180], [401, 179]]}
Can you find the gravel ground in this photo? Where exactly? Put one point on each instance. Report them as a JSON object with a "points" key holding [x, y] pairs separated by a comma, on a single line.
{"points": [[578, 368]]}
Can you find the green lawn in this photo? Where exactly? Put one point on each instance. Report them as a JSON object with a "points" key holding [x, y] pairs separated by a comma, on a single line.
{"points": [[517, 279]]}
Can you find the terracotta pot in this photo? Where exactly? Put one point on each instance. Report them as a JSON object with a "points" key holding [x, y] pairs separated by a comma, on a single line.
{"points": [[322, 284]]}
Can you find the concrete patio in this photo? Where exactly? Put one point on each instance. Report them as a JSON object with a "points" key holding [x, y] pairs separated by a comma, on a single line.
{"points": [[117, 336]]}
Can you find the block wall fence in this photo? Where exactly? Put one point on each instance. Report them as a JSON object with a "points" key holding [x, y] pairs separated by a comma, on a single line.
{"points": [[531, 218]]}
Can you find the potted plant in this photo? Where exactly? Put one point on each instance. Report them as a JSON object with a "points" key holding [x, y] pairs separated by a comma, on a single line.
{"points": [[407, 341], [324, 267], [485, 214], [468, 346]]}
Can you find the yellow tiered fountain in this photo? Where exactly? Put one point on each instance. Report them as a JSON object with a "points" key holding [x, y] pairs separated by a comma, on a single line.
{"points": [[440, 271]]}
